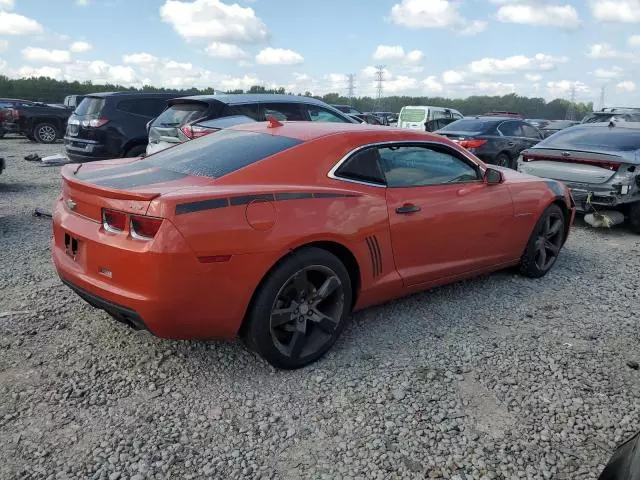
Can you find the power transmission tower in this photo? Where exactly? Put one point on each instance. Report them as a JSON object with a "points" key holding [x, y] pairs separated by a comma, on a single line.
{"points": [[351, 88], [602, 92], [571, 111], [379, 87]]}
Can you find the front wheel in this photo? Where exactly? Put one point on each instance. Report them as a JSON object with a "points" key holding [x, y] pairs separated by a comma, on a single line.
{"points": [[45, 133], [545, 243], [503, 160], [300, 309], [136, 151]]}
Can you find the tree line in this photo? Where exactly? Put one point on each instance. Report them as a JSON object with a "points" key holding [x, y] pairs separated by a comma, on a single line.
{"points": [[53, 91]]}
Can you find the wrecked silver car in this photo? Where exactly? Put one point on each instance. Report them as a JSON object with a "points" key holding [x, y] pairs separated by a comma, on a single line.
{"points": [[599, 162]]}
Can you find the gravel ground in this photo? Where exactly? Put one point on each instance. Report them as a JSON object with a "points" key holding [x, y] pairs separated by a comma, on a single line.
{"points": [[499, 377]]}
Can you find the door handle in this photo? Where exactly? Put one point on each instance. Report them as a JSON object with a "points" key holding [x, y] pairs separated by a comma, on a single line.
{"points": [[510, 144], [408, 208]]}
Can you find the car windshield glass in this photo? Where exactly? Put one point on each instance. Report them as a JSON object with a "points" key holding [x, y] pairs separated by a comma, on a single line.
{"points": [[179, 114], [587, 138], [413, 115], [90, 106], [220, 154], [468, 126], [597, 117]]}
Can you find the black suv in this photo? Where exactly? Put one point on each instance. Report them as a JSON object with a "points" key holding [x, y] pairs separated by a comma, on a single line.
{"points": [[178, 123], [493, 139], [112, 125]]}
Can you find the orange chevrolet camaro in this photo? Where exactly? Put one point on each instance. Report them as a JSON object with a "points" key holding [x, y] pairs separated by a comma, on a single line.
{"points": [[276, 232]]}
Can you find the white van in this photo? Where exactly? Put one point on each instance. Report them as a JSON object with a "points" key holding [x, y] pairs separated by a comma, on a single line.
{"points": [[427, 118]]}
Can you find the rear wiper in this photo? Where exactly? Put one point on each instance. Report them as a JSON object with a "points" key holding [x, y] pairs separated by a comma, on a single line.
{"points": [[171, 124]]}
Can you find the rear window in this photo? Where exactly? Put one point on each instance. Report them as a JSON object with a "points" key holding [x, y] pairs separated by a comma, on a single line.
{"points": [[90, 106], [220, 154], [469, 126], [180, 114], [413, 115], [586, 138]]}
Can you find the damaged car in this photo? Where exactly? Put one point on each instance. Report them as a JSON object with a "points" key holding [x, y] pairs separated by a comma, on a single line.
{"points": [[600, 163]]}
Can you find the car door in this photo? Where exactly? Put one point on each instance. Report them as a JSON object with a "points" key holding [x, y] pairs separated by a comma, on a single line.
{"points": [[444, 219], [531, 135], [513, 141]]}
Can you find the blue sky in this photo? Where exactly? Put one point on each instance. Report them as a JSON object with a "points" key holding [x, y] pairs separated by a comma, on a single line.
{"points": [[452, 48]]}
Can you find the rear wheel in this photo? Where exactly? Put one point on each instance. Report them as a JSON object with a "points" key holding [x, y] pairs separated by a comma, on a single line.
{"points": [[300, 309], [136, 151], [45, 133], [544, 244], [503, 160], [634, 217]]}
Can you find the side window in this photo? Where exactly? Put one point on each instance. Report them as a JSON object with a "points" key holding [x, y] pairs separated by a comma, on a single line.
{"points": [[510, 129], [457, 116], [251, 110], [146, 107], [283, 111], [421, 166], [364, 166], [319, 114], [529, 131]]}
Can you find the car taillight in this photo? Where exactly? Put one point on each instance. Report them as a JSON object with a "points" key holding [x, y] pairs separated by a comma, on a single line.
{"points": [[94, 123], [112, 221], [471, 143], [144, 228], [196, 131]]}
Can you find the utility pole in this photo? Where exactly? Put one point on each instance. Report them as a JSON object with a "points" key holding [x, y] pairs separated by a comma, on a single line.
{"points": [[571, 111], [379, 87], [602, 92], [351, 88]]}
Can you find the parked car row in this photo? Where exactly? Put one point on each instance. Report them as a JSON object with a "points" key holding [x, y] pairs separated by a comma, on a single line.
{"points": [[41, 122]]}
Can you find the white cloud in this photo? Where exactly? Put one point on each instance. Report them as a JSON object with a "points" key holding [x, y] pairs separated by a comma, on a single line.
{"points": [[563, 87], [396, 52], [474, 28], [614, 72], [627, 86], [142, 59], [540, 13], [82, 3], [533, 77], [634, 40], [243, 83], [8, 4], [214, 20], [225, 50], [452, 77], [278, 56], [510, 65], [400, 83], [426, 13], [494, 88], [81, 47], [4, 44], [431, 84], [14, 24], [620, 11], [605, 50], [42, 55], [51, 72], [386, 52]]}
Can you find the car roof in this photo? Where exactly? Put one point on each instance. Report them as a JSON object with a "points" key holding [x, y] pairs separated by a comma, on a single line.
{"points": [[307, 131], [609, 125], [238, 98], [490, 118], [130, 94]]}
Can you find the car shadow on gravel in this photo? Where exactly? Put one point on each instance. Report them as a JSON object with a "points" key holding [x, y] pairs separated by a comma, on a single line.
{"points": [[18, 187]]}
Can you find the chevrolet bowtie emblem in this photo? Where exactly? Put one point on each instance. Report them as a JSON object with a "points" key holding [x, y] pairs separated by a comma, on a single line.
{"points": [[71, 204]]}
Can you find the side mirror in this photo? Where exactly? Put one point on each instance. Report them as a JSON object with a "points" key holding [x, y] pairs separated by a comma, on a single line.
{"points": [[493, 176]]}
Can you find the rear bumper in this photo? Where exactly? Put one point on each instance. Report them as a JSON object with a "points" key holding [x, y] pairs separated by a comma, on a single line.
{"points": [[85, 151], [586, 196]]}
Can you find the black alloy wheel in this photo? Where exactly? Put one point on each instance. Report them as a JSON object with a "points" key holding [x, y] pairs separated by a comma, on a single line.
{"points": [[545, 243]]}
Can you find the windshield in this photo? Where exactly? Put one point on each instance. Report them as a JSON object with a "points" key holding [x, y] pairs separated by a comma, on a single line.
{"points": [[413, 115], [220, 154], [180, 114], [471, 126], [594, 138], [90, 106]]}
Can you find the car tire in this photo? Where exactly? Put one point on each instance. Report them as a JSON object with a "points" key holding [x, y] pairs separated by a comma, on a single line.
{"points": [[634, 217], [45, 133], [503, 160], [136, 151], [2, 133], [544, 244], [300, 309]]}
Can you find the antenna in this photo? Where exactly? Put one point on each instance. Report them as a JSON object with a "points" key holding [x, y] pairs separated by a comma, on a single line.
{"points": [[351, 87], [379, 87]]}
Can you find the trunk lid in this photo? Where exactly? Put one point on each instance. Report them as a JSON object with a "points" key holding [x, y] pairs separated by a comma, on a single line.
{"points": [[573, 166], [127, 186], [86, 118]]}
